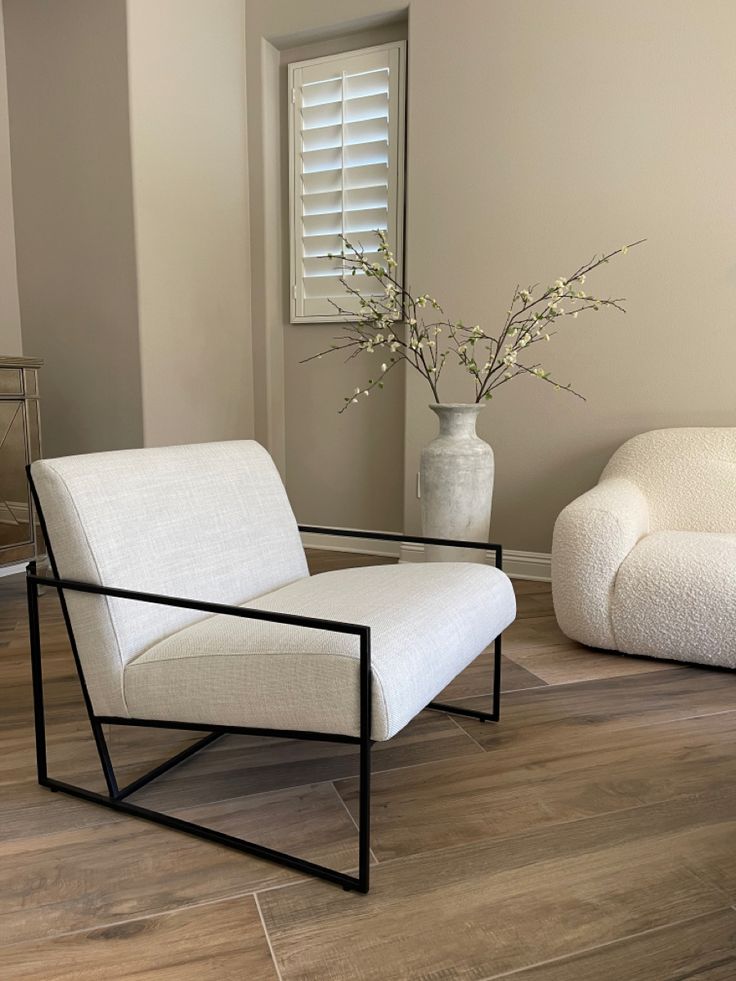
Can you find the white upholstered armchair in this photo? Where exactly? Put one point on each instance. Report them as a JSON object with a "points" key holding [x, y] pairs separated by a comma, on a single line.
{"points": [[189, 605], [645, 563]]}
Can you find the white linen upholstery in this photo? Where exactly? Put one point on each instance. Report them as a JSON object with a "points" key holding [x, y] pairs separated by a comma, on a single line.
{"points": [[428, 622], [212, 522], [645, 563], [209, 522]]}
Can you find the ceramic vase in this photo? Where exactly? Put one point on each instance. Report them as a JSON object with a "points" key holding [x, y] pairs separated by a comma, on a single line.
{"points": [[456, 483]]}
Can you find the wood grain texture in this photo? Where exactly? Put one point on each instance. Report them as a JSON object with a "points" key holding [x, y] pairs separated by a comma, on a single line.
{"points": [[501, 794], [240, 765], [701, 949], [552, 717], [208, 943], [76, 879], [475, 911], [587, 835]]}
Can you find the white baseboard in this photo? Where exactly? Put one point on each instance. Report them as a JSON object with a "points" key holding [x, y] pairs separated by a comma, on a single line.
{"points": [[528, 565], [333, 543], [518, 565], [13, 570]]}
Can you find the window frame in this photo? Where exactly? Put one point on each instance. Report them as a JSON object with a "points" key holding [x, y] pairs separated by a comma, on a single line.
{"points": [[296, 296]]}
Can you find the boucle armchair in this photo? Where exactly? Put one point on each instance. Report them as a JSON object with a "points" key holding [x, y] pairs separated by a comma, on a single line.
{"points": [[645, 563], [155, 552]]}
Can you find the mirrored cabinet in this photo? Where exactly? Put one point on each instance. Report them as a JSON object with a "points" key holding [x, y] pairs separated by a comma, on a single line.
{"points": [[20, 443]]}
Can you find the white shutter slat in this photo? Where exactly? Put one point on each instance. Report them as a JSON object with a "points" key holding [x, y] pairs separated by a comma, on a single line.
{"points": [[324, 287], [331, 202], [367, 241], [331, 113], [315, 160], [322, 266], [366, 221], [360, 198], [327, 114], [322, 92], [352, 64], [367, 83], [320, 181], [361, 154], [367, 175], [317, 245], [366, 131], [331, 287], [346, 162], [369, 107], [330, 224], [324, 138]]}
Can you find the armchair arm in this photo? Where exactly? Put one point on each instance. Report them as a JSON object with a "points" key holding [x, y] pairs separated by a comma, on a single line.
{"points": [[392, 536], [592, 537], [316, 623]]}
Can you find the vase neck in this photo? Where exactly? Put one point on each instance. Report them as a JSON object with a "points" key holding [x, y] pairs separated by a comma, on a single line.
{"points": [[456, 419]]}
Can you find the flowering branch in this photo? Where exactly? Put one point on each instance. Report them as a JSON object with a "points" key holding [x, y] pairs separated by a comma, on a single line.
{"points": [[390, 320]]}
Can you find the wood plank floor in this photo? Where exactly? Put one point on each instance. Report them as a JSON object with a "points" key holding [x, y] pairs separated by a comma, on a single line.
{"points": [[588, 836]]}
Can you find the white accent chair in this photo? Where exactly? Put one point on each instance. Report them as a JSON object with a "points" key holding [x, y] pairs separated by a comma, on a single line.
{"points": [[155, 552], [645, 563]]}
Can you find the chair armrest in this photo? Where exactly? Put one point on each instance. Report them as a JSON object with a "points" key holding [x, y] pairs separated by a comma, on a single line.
{"points": [[592, 537], [392, 536], [316, 623], [361, 631]]}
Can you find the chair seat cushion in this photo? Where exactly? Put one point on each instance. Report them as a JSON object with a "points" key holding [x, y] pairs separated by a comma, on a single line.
{"points": [[428, 621], [675, 597]]}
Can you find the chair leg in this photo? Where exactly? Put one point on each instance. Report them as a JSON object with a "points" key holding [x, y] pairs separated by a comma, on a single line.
{"points": [[492, 716], [39, 716], [364, 819], [116, 800], [104, 754], [497, 678], [364, 803], [39, 713]]}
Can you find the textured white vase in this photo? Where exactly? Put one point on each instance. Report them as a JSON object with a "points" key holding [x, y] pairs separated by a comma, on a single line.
{"points": [[456, 481]]}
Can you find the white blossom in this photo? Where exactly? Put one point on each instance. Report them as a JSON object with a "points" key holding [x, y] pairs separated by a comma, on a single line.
{"points": [[382, 308]]}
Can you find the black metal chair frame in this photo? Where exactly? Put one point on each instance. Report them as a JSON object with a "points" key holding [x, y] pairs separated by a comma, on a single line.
{"points": [[117, 797]]}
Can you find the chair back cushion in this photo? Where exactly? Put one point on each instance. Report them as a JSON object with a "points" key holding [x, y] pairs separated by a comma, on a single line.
{"points": [[687, 475], [208, 522]]}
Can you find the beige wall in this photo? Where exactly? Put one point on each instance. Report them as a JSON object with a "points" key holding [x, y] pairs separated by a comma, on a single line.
{"points": [[187, 98], [130, 166], [10, 340], [339, 469], [68, 97], [540, 133]]}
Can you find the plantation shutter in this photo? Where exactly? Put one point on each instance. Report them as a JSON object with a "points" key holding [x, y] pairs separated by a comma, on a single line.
{"points": [[346, 171]]}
